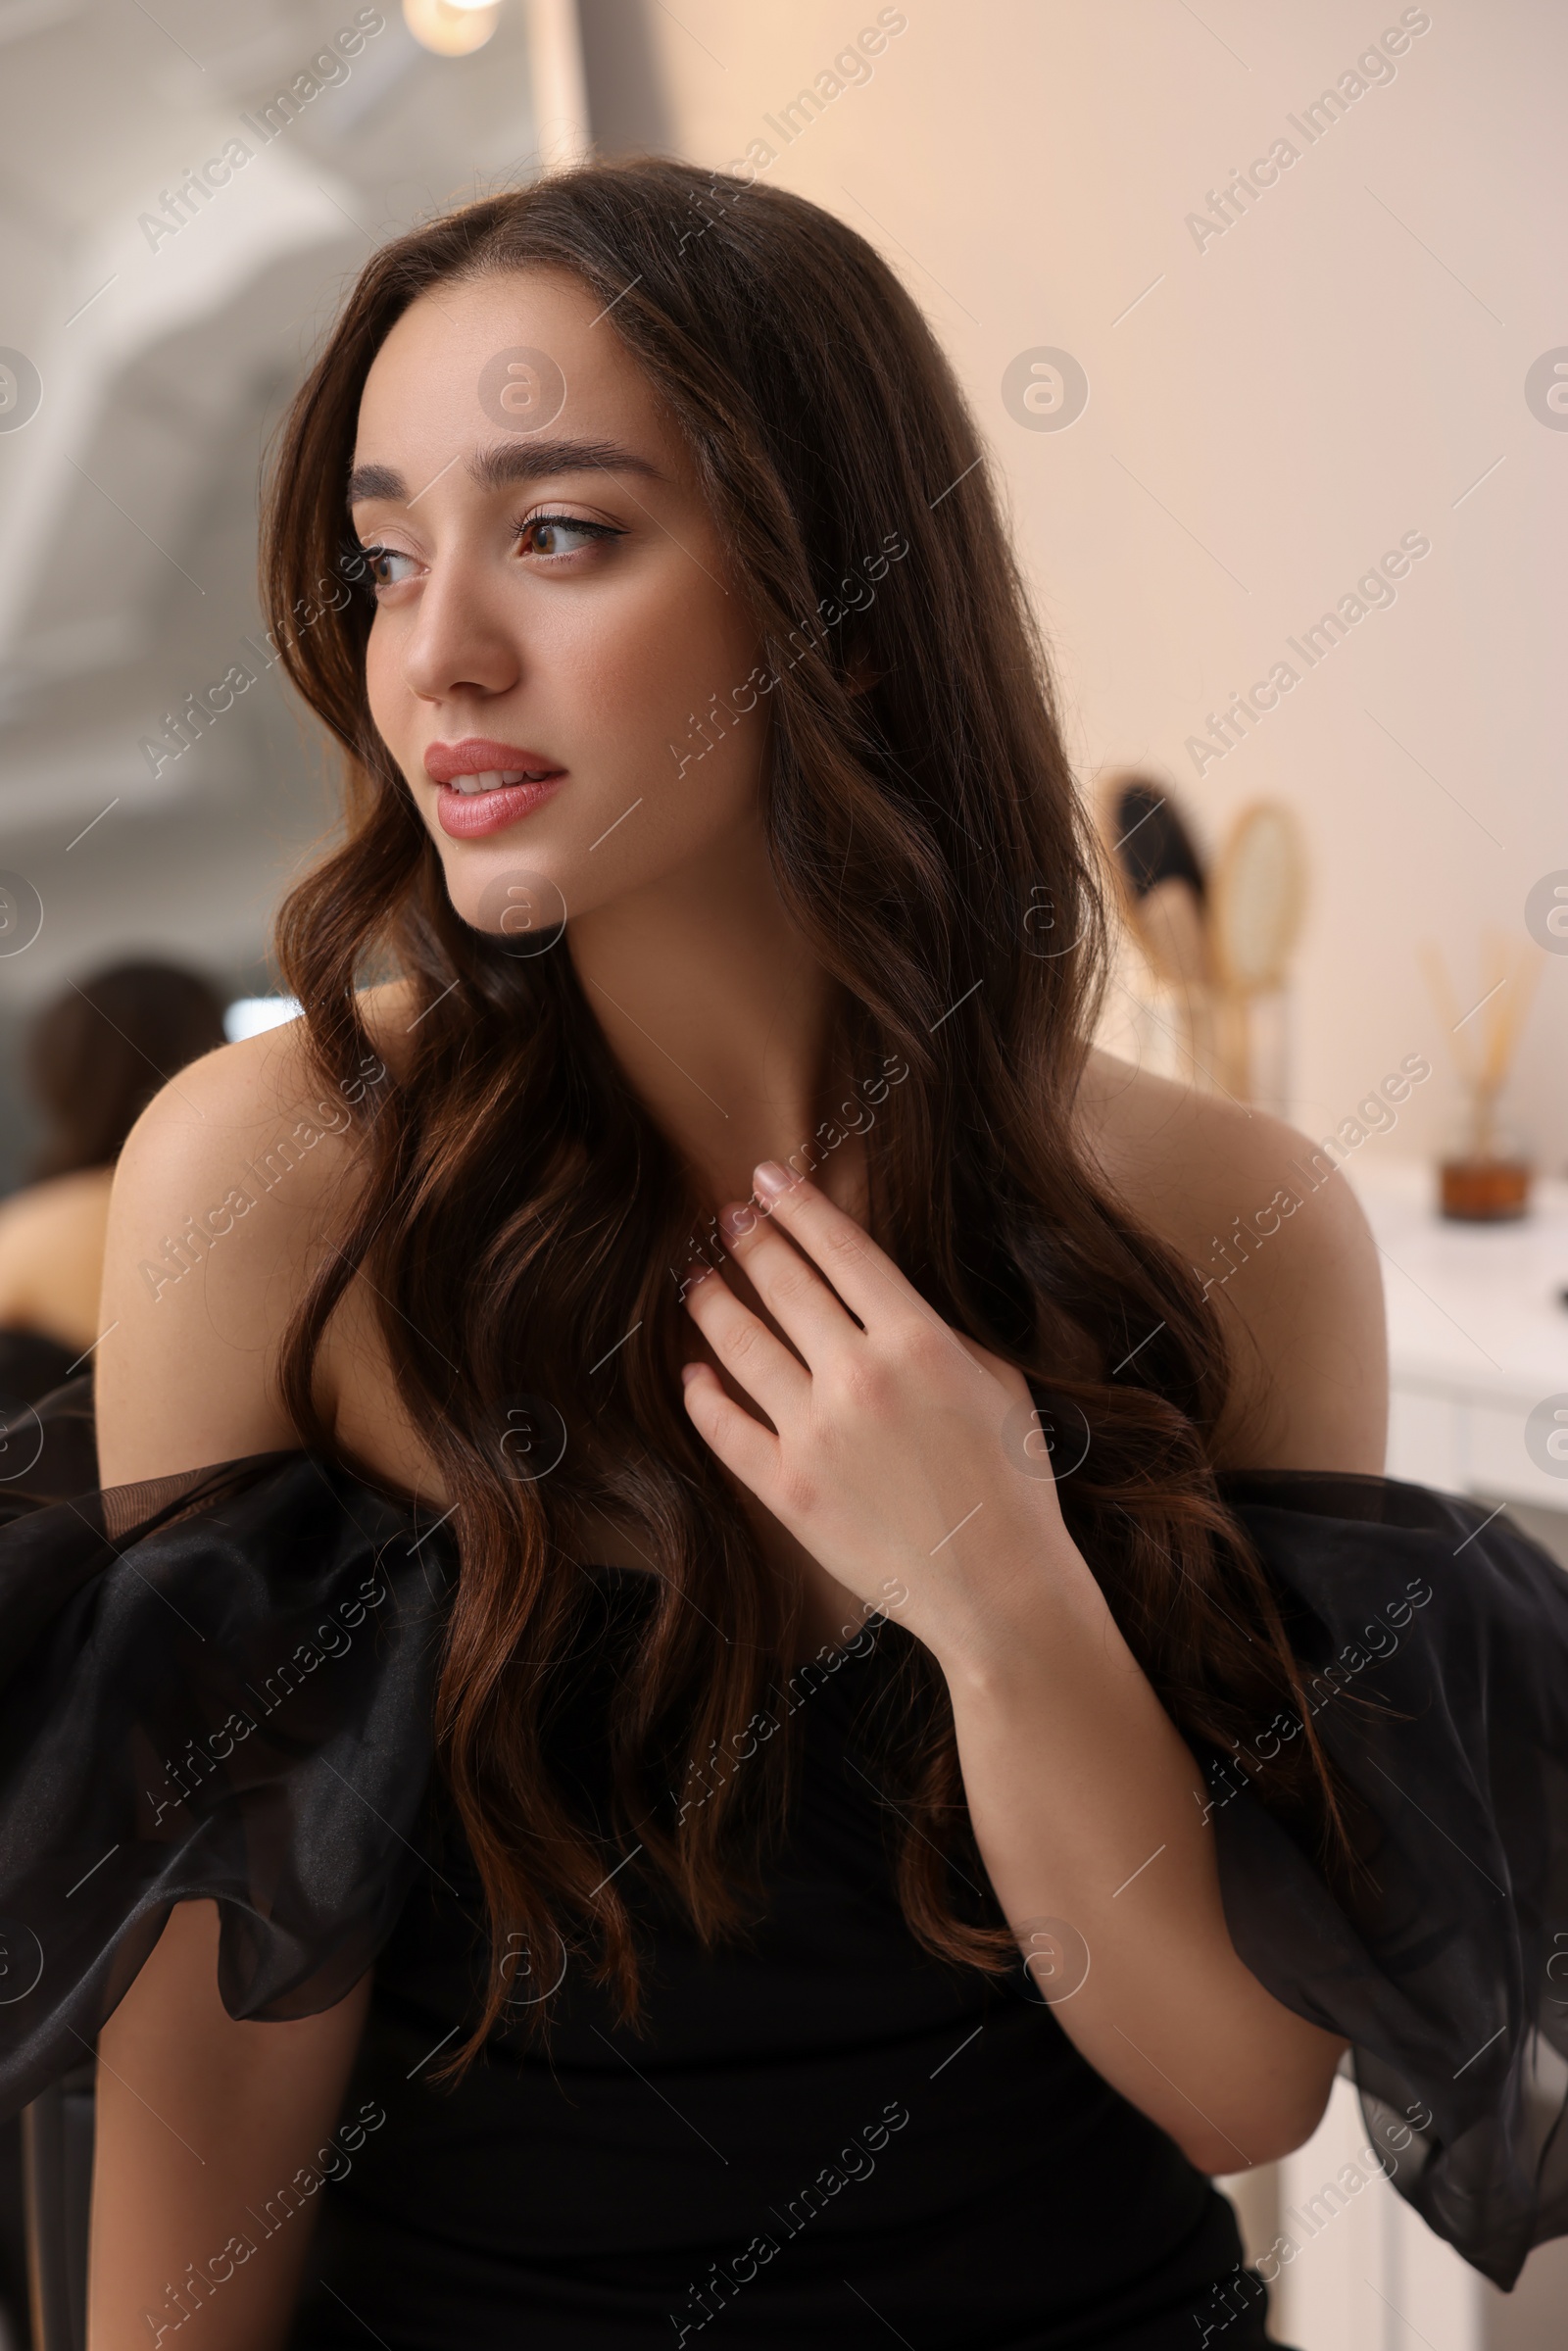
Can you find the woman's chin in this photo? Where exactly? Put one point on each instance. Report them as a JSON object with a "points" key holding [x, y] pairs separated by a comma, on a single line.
{"points": [[513, 898]]}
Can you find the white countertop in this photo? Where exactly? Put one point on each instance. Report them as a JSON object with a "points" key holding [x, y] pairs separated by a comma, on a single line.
{"points": [[1474, 1310]]}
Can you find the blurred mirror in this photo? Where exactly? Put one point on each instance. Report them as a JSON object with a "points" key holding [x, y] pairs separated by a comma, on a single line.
{"points": [[169, 267]]}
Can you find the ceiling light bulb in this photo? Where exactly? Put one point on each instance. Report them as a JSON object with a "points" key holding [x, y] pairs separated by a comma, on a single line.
{"points": [[452, 28]]}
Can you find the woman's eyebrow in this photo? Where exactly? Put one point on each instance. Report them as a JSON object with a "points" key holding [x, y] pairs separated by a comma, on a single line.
{"points": [[507, 462], [510, 462]]}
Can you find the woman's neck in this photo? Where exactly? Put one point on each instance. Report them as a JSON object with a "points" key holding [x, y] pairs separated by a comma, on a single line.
{"points": [[718, 1012]]}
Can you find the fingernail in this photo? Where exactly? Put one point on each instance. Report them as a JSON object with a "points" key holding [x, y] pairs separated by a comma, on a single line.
{"points": [[739, 1217], [688, 1373], [772, 1179]]}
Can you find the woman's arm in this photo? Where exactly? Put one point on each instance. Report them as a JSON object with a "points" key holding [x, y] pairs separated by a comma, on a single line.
{"points": [[212, 2136], [891, 1467], [213, 2142], [1091, 1817]]}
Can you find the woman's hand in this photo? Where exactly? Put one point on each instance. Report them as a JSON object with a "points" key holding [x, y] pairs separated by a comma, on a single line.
{"points": [[890, 1466], [900, 1460]]}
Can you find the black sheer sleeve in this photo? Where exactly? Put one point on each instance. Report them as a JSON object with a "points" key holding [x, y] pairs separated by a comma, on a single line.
{"points": [[1435, 1641], [213, 1685]]}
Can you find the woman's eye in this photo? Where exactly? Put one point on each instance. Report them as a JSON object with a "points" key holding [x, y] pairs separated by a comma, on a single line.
{"points": [[560, 534], [381, 565], [547, 536]]}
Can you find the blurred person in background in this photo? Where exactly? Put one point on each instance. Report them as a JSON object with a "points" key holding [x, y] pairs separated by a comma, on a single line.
{"points": [[96, 1056]]}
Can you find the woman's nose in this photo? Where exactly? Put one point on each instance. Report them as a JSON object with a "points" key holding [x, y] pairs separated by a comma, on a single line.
{"points": [[461, 642]]}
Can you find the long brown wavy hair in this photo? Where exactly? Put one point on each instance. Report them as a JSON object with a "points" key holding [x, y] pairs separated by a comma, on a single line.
{"points": [[521, 1212]]}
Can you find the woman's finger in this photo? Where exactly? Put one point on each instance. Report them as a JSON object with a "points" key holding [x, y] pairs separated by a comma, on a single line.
{"points": [[794, 1293], [864, 1276], [745, 1448], [744, 1346]]}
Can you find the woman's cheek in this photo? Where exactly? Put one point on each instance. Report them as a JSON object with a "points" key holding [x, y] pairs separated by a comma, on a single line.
{"points": [[390, 701]]}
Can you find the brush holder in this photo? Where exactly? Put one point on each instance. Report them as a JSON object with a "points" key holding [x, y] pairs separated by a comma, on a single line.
{"points": [[1484, 1177]]}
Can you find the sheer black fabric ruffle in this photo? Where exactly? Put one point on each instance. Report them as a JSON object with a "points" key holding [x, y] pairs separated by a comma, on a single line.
{"points": [[223, 1685], [217, 1685], [1446, 1966]]}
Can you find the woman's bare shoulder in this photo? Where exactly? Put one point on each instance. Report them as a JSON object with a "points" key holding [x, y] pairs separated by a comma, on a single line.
{"points": [[1175, 1152], [232, 1182], [1284, 1249]]}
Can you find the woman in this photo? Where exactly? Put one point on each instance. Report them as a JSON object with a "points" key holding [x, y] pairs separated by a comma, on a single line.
{"points": [[693, 1256], [95, 1058]]}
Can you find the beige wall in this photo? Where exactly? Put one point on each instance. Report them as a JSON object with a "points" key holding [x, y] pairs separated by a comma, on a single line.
{"points": [[1334, 371]]}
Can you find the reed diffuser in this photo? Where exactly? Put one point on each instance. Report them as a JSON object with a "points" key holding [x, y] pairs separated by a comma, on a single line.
{"points": [[1485, 1177]]}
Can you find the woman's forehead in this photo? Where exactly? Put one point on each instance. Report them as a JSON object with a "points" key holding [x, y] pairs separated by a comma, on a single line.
{"points": [[521, 353]]}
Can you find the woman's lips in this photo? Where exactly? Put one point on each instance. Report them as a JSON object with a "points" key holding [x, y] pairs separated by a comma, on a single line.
{"points": [[486, 785], [472, 806]]}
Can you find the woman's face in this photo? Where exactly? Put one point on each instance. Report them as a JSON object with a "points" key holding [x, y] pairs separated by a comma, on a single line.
{"points": [[554, 608]]}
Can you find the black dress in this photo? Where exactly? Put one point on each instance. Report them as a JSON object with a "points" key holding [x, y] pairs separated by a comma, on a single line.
{"points": [[822, 2135]]}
